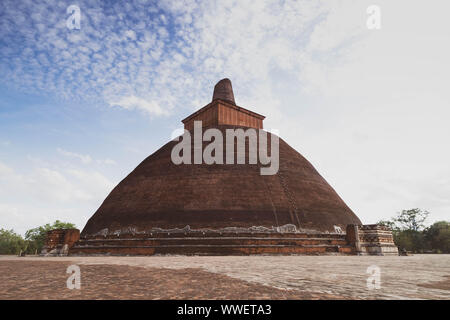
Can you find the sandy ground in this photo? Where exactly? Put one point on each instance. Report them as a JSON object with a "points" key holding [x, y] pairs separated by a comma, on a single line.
{"points": [[229, 277]]}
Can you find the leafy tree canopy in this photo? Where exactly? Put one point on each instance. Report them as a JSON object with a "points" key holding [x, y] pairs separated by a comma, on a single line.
{"points": [[410, 233], [412, 219], [39, 232], [11, 242], [37, 235], [438, 236]]}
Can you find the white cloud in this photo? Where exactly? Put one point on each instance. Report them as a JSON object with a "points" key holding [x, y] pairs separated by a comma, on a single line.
{"points": [[130, 34], [84, 158], [5, 170], [53, 185], [133, 102], [107, 161], [153, 69], [41, 195]]}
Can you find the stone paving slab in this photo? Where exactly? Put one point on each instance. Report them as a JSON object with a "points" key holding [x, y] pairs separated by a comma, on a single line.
{"points": [[276, 277]]}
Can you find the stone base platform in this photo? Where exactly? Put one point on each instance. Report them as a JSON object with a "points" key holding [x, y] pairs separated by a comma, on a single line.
{"points": [[214, 243], [358, 240]]}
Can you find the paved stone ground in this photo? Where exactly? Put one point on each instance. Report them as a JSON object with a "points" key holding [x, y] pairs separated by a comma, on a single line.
{"points": [[249, 277], [47, 280]]}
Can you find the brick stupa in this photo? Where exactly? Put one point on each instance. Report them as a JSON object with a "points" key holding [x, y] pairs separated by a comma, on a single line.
{"points": [[163, 208]]}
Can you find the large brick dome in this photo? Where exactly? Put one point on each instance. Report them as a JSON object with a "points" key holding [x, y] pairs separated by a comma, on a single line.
{"points": [[161, 194]]}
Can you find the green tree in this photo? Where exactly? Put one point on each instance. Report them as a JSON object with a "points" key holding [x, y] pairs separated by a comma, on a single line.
{"points": [[388, 223], [410, 233], [410, 240], [36, 237], [438, 236], [412, 219], [11, 243]]}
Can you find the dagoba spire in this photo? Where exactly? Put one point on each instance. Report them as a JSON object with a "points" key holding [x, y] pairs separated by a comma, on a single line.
{"points": [[224, 91]]}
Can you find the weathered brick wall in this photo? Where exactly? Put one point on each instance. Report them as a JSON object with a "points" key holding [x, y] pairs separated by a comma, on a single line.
{"points": [[212, 243], [59, 241], [371, 239]]}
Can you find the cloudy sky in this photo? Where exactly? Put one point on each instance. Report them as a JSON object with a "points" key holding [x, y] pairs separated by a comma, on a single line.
{"points": [[81, 108]]}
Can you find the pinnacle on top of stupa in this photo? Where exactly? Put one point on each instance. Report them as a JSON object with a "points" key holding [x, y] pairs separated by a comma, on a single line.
{"points": [[224, 91]]}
